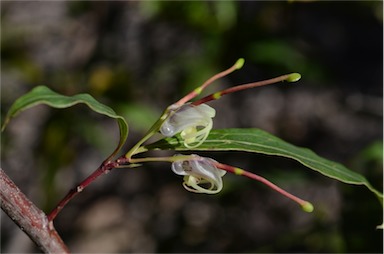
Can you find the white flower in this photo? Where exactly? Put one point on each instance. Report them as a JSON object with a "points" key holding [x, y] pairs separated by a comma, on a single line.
{"points": [[200, 174], [192, 122]]}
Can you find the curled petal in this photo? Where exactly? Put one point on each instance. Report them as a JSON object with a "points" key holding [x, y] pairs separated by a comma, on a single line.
{"points": [[200, 175], [192, 122]]}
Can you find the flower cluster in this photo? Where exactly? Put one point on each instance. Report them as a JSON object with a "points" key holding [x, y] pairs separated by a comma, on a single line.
{"points": [[193, 121]]}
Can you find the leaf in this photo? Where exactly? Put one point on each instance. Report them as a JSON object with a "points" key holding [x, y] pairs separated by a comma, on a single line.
{"points": [[43, 95], [259, 141]]}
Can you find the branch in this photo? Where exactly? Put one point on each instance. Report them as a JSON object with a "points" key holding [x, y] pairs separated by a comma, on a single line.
{"points": [[28, 217]]}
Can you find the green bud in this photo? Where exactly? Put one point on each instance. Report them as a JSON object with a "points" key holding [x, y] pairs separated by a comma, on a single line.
{"points": [[239, 63], [307, 207], [293, 77]]}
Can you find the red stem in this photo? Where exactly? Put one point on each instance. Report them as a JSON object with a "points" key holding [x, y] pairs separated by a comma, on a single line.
{"points": [[233, 89], [193, 94], [103, 169]]}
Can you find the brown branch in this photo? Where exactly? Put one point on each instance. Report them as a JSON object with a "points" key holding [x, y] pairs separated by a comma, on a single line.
{"points": [[28, 217]]}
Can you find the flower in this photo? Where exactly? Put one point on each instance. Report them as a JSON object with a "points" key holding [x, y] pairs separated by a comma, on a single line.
{"points": [[200, 174], [192, 122]]}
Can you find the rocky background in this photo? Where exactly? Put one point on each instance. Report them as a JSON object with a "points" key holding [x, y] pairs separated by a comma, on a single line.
{"points": [[139, 57]]}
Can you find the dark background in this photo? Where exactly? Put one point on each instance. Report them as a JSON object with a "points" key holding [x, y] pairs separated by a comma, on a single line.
{"points": [[139, 57]]}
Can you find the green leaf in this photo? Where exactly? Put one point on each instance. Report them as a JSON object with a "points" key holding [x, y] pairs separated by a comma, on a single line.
{"points": [[43, 95], [259, 141]]}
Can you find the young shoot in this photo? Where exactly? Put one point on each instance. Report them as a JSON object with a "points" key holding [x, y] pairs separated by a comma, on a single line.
{"points": [[192, 121]]}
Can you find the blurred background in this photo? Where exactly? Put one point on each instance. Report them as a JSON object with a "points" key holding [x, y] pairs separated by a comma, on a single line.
{"points": [[139, 57]]}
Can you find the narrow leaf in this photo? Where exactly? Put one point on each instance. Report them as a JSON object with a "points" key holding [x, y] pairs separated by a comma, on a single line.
{"points": [[43, 95], [259, 141]]}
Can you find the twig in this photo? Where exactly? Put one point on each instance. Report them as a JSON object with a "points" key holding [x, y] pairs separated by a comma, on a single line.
{"points": [[28, 217], [103, 169]]}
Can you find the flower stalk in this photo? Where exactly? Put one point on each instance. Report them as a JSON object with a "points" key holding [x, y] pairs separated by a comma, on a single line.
{"points": [[154, 129]]}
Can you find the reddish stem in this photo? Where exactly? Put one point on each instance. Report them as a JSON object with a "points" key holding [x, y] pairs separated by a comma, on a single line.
{"points": [[217, 95], [194, 93], [103, 169]]}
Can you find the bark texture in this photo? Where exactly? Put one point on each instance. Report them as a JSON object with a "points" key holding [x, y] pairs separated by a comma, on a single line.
{"points": [[28, 217]]}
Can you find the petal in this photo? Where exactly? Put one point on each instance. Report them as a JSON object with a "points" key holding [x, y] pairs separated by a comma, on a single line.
{"points": [[200, 175], [190, 181], [187, 116], [193, 137], [168, 129], [178, 167], [206, 110]]}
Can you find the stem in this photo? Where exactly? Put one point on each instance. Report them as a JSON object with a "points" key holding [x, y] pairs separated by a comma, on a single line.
{"points": [[155, 127], [28, 217], [217, 95], [103, 169], [164, 159], [198, 90], [108, 166], [304, 204]]}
